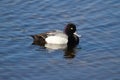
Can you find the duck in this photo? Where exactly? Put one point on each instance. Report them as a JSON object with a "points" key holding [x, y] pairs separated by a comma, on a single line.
{"points": [[68, 36]]}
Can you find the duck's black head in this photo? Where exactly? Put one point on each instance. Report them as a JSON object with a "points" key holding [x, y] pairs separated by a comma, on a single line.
{"points": [[70, 29]]}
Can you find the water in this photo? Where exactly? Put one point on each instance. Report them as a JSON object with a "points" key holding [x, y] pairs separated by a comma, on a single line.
{"points": [[97, 57]]}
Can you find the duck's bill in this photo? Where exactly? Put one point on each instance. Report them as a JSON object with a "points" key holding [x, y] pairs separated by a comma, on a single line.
{"points": [[77, 34]]}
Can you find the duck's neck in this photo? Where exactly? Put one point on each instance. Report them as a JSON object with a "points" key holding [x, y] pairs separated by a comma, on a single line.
{"points": [[69, 34]]}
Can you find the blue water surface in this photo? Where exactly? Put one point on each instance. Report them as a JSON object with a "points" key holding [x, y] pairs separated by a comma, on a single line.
{"points": [[97, 57]]}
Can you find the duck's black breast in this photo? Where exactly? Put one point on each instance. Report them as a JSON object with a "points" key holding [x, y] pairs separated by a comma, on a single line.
{"points": [[73, 40]]}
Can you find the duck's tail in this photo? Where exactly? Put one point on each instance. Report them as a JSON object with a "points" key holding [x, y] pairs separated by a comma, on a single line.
{"points": [[38, 40], [32, 36]]}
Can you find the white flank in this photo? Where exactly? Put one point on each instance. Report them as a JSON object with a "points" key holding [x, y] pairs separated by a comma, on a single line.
{"points": [[56, 40]]}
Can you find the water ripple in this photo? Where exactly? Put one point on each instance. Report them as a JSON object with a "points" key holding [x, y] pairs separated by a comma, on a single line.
{"points": [[97, 22]]}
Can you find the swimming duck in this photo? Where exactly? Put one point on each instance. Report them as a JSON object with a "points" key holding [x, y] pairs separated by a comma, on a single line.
{"points": [[68, 36]]}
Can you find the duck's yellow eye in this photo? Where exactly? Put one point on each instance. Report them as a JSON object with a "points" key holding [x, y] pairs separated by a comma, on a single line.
{"points": [[71, 28]]}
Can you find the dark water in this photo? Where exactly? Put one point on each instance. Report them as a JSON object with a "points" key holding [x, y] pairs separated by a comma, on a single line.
{"points": [[97, 57]]}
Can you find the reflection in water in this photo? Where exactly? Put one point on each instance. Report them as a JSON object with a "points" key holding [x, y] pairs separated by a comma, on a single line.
{"points": [[69, 50], [55, 46]]}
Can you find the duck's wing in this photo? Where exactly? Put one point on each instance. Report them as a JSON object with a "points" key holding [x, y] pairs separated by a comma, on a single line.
{"points": [[57, 33], [38, 36], [43, 36], [54, 32]]}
